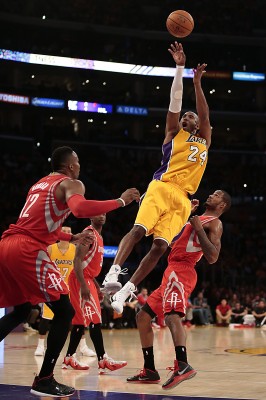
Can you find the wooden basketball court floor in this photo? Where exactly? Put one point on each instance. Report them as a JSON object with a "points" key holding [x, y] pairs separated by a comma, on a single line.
{"points": [[231, 364]]}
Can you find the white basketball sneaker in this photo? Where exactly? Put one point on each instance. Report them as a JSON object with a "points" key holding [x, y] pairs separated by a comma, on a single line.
{"points": [[87, 352], [120, 297], [40, 350], [110, 283]]}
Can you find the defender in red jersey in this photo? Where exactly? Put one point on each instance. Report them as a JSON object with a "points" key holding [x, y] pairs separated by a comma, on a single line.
{"points": [[27, 274], [200, 236], [85, 296]]}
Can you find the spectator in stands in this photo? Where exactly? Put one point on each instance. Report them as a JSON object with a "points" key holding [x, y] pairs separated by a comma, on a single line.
{"points": [[201, 309], [223, 313], [259, 313], [238, 313], [142, 297]]}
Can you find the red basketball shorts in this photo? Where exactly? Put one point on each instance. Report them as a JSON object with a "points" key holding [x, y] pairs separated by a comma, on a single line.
{"points": [[85, 311], [172, 295], [27, 273]]}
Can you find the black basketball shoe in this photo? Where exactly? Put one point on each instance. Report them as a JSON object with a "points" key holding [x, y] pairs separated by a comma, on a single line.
{"points": [[145, 376], [48, 386], [182, 372]]}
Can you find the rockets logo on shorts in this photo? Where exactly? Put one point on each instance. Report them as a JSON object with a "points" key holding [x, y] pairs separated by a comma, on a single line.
{"points": [[56, 281], [88, 311], [174, 300]]}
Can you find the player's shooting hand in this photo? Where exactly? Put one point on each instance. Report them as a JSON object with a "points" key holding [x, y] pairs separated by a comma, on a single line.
{"points": [[129, 195], [177, 52], [85, 292], [198, 72], [196, 223], [194, 205], [85, 238]]}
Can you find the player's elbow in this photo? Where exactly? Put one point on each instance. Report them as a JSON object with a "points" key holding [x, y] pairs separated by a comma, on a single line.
{"points": [[77, 214], [212, 258]]}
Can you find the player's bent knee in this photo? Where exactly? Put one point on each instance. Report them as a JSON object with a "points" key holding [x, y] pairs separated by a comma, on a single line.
{"points": [[137, 232], [171, 316], [159, 246], [22, 311]]}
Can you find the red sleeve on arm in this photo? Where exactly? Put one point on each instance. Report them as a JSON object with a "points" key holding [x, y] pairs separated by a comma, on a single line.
{"points": [[66, 237], [83, 208]]}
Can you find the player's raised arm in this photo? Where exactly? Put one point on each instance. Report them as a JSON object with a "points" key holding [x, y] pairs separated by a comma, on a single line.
{"points": [[202, 105], [211, 242], [176, 94]]}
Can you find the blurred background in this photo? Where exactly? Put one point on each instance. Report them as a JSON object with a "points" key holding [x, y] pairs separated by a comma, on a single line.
{"points": [[115, 120]]}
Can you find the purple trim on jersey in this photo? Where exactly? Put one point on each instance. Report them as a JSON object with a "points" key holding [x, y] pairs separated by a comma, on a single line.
{"points": [[167, 153], [178, 235]]}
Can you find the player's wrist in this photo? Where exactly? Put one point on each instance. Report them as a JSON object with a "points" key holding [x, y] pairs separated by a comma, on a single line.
{"points": [[121, 201]]}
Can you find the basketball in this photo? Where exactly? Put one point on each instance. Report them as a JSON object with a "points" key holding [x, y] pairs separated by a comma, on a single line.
{"points": [[180, 23]]}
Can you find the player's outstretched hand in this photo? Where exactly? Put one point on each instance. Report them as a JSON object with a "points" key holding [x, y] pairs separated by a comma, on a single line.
{"points": [[85, 292], [196, 223], [85, 238], [198, 72], [130, 195], [194, 205], [177, 53]]}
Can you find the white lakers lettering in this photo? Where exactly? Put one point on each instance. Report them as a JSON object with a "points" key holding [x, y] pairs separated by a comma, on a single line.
{"points": [[194, 154], [197, 139]]}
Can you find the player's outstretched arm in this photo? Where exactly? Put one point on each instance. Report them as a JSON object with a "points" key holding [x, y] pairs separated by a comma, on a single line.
{"points": [[202, 105], [74, 196], [176, 94]]}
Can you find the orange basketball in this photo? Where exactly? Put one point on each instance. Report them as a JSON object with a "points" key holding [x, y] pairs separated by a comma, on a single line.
{"points": [[180, 23]]}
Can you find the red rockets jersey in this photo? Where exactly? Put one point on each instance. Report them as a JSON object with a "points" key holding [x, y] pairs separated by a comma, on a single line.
{"points": [[93, 260], [186, 249], [42, 215]]}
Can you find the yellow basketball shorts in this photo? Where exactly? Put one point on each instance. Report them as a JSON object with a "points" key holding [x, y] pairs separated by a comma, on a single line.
{"points": [[164, 210], [47, 313]]}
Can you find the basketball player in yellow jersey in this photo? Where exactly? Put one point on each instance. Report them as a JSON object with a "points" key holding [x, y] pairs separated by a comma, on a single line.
{"points": [[62, 254], [166, 205]]}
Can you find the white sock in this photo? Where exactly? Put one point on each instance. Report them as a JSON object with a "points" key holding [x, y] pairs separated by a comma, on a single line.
{"points": [[129, 286], [82, 343], [41, 342]]}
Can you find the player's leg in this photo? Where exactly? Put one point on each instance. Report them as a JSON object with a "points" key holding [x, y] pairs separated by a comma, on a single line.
{"points": [[126, 246], [43, 329], [13, 319], [92, 313], [172, 208], [78, 325], [144, 317], [70, 360], [45, 383], [146, 265], [84, 348], [148, 215], [175, 300]]}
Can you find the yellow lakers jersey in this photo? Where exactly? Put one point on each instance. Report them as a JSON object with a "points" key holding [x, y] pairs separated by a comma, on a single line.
{"points": [[64, 261], [184, 161]]}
